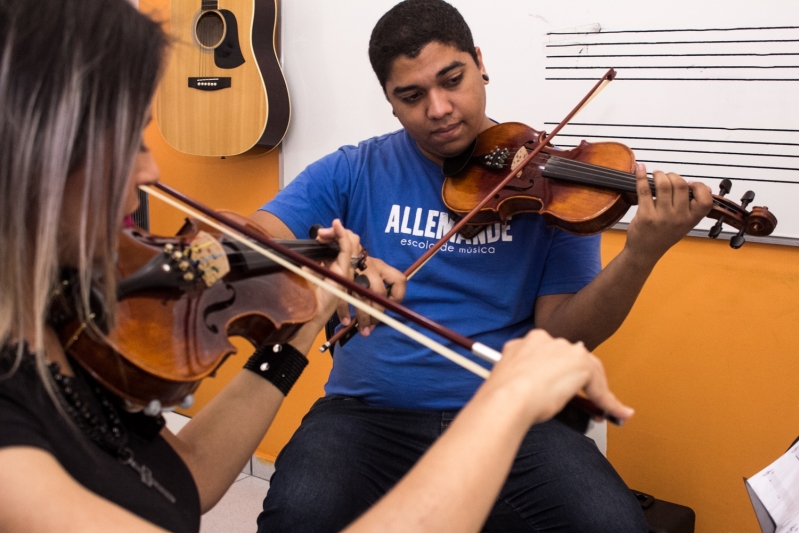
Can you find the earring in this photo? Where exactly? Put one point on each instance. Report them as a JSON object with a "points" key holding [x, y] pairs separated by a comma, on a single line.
{"points": [[485, 77]]}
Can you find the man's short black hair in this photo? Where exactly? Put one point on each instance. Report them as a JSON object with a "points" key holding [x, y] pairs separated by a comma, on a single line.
{"points": [[411, 25]]}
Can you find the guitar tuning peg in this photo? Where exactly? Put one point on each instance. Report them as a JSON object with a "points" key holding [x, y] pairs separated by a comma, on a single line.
{"points": [[725, 187]]}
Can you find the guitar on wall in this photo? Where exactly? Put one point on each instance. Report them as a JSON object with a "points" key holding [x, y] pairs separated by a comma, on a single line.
{"points": [[223, 91]]}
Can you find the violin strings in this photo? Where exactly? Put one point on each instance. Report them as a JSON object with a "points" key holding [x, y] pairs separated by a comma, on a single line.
{"points": [[585, 173], [251, 257], [589, 174]]}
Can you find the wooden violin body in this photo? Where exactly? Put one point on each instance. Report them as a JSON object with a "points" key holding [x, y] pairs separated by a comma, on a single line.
{"points": [[172, 327], [584, 190]]}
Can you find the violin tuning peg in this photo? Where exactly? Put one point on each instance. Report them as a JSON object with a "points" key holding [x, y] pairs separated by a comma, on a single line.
{"points": [[747, 198], [715, 231], [738, 240], [725, 187]]}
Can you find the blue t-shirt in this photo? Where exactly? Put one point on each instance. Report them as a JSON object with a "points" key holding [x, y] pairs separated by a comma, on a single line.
{"points": [[389, 193]]}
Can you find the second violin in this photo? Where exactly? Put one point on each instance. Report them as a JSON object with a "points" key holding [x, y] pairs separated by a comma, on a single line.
{"points": [[584, 190]]}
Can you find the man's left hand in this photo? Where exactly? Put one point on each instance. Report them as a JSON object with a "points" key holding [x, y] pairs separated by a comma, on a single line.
{"points": [[665, 219]]}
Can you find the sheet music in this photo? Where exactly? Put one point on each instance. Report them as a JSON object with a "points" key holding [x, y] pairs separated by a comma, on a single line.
{"points": [[777, 488]]}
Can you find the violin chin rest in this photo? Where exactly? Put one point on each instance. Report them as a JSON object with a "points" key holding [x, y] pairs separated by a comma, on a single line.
{"points": [[453, 165]]}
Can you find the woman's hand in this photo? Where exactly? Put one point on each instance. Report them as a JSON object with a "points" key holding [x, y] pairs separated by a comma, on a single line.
{"points": [[545, 373]]}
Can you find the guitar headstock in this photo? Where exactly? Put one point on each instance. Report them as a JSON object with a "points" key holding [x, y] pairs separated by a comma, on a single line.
{"points": [[758, 222]]}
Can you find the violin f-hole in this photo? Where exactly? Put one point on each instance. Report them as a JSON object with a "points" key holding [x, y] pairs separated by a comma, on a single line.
{"points": [[218, 307]]}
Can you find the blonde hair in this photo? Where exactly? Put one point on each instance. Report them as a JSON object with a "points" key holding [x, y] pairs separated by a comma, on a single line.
{"points": [[76, 79]]}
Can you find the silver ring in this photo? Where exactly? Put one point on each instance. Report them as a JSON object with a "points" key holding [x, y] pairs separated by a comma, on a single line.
{"points": [[355, 261]]}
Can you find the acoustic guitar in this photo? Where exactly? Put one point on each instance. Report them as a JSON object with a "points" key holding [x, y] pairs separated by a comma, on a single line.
{"points": [[223, 91]]}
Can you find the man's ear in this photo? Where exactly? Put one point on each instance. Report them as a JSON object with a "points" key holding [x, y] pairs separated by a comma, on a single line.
{"points": [[389, 102], [480, 64]]}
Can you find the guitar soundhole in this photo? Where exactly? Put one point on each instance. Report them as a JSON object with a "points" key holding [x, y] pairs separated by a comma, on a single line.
{"points": [[210, 29]]}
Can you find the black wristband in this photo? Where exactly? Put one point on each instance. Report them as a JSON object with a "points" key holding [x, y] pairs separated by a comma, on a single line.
{"points": [[279, 364]]}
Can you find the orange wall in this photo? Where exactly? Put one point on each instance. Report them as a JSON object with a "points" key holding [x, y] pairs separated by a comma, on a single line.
{"points": [[708, 355]]}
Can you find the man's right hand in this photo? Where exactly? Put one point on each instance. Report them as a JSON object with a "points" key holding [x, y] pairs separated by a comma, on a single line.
{"points": [[384, 280]]}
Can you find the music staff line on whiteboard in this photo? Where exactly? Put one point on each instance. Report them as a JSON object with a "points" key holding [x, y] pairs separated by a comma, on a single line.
{"points": [[735, 161], [769, 54], [618, 78], [667, 126], [649, 162], [626, 43], [676, 30], [707, 152], [681, 139], [673, 67], [748, 54]]}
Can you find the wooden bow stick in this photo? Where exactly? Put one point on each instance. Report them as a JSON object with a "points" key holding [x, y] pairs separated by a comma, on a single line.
{"points": [[544, 139]]}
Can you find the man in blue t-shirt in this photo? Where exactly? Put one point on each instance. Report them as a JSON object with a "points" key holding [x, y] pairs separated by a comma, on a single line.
{"points": [[389, 398]]}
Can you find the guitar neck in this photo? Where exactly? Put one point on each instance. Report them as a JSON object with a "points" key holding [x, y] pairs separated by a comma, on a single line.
{"points": [[210, 5]]}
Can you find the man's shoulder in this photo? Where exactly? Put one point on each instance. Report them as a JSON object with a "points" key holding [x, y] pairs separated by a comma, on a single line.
{"points": [[343, 161], [386, 141]]}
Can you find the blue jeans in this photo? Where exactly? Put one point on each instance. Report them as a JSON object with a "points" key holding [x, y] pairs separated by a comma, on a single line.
{"points": [[346, 455]]}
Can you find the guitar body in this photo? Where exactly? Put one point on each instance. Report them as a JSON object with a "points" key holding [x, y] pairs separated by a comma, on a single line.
{"points": [[277, 92], [212, 100]]}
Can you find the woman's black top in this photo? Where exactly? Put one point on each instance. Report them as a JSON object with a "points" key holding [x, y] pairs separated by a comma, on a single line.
{"points": [[28, 417]]}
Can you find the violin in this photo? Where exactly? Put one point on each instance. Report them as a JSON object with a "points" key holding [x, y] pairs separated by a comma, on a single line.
{"points": [[584, 191], [178, 300]]}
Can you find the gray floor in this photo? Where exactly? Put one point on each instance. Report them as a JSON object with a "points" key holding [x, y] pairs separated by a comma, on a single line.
{"points": [[238, 509]]}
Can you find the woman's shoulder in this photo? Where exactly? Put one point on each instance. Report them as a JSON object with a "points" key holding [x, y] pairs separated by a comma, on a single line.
{"points": [[27, 414]]}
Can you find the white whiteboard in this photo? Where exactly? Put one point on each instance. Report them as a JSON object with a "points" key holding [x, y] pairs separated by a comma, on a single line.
{"points": [[708, 89]]}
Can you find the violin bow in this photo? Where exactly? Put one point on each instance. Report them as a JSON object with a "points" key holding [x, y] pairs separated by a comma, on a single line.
{"points": [[543, 140], [287, 258]]}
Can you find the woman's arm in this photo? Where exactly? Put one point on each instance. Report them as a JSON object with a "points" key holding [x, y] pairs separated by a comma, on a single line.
{"points": [[38, 495], [455, 484], [219, 440]]}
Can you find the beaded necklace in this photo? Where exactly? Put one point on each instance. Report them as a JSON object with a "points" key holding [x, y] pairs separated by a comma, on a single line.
{"points": [[104, 429]]}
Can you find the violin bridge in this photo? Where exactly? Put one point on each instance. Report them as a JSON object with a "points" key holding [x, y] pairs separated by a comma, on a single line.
{"points": [[210, 257], [517, 160]]}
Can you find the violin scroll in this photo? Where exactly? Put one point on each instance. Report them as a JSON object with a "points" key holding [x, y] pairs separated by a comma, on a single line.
{"points": [[759, 222]]}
